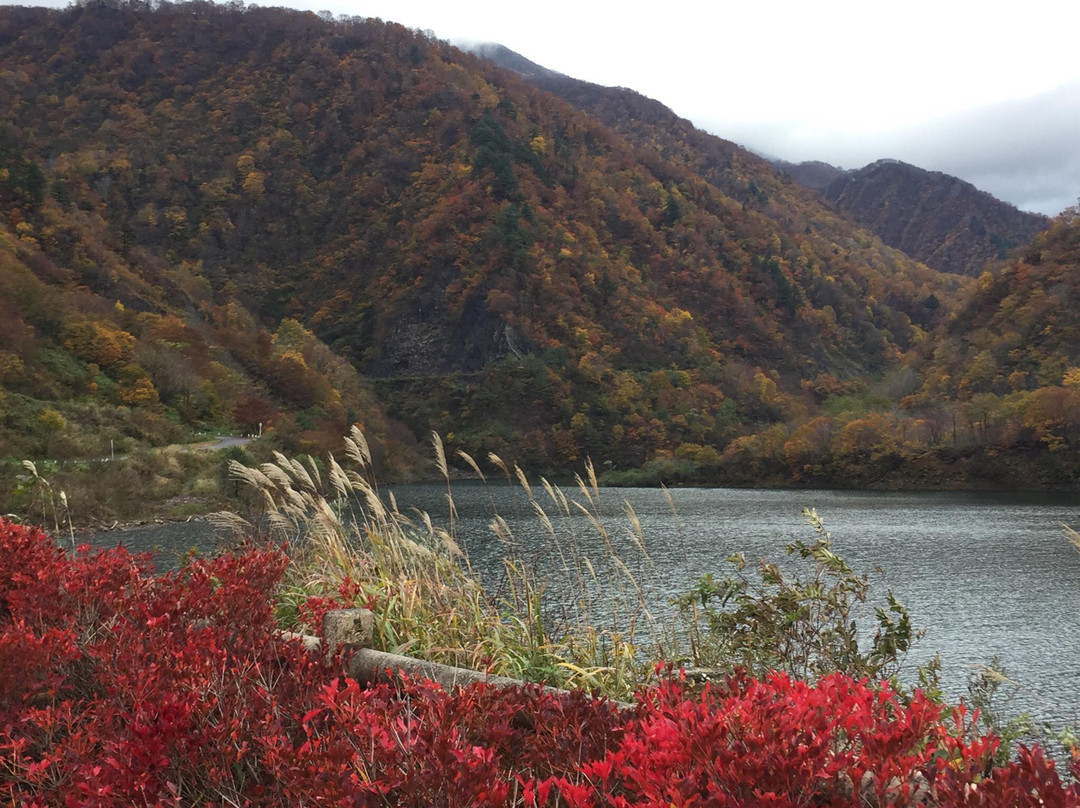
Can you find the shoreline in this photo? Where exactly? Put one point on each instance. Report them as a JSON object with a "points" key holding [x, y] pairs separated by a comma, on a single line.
{"points": [[99, 527]]}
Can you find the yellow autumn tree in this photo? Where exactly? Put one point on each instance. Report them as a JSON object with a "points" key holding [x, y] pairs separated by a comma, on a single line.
{"points": [[98, 342]]}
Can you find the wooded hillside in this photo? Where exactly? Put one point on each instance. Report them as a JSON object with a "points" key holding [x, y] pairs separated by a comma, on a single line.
{"points": [[504, 267]]}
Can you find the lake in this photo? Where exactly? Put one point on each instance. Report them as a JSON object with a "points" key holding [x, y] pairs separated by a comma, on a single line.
{"points": [[985, 574]]}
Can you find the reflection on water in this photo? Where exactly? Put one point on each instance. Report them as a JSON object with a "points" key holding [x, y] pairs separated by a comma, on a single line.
{"points": [[985, 574]]}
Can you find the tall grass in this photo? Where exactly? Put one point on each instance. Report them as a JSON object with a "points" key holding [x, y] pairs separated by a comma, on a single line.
{"points": [[346, 535], [568, 610], [51, 502]]}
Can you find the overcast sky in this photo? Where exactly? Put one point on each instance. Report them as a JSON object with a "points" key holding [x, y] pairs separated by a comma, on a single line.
{"points": [[987, 91]]}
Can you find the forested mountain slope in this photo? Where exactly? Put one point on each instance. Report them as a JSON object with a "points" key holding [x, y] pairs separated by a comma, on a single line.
{"points": [[514, 271], [1018, 330], [1003, 378], [992, 399], [934, 218], [989, 398], [105, 346], [943, 221]]}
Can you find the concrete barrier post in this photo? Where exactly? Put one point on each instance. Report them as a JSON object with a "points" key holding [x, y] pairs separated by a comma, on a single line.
{"points": [[353, 629], [348, 628]]}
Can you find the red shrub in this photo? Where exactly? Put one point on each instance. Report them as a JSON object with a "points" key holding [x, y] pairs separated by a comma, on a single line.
{"points": [[784, 743], [119, 687], [116, 685]]}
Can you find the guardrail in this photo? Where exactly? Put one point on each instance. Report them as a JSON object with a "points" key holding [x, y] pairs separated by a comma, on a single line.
{"points": [[352, 630]]}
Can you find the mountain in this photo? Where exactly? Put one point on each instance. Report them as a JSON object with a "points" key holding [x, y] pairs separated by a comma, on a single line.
{"points": [[811, 173], [492, 261], [935, 218], [985, 400], [506, 58], [660, 134], [940, 220], [1001, 382], [1018, 331], [106, 347], [990, 400]]}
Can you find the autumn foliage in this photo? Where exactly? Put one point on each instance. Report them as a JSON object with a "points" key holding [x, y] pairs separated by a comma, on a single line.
{"points": [[119, 686], [524, 275], [289, 206]]}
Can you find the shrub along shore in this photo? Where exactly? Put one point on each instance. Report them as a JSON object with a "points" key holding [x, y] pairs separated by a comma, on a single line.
{"points": [[122, 686]]}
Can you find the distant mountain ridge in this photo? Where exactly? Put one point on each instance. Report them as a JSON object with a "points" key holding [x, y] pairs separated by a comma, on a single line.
{"points": [[941, 220], [511, 60], [811, 173]]}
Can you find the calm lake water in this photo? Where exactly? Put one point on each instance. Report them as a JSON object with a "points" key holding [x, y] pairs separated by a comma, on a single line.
{"points": [[984, 574]]}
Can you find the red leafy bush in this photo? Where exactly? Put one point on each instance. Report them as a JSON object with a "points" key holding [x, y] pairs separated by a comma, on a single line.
{"points": [[121, 687], [786, 743], [416, 745]]}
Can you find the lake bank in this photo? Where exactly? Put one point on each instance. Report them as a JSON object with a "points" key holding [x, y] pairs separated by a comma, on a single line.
{"points": [[985, 574]]}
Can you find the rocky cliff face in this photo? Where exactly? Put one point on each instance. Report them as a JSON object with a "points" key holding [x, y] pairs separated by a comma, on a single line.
{"points": [[940, 220]]}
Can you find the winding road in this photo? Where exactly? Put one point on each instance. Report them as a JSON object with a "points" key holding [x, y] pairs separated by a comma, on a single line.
{"points": [[224, 442]]}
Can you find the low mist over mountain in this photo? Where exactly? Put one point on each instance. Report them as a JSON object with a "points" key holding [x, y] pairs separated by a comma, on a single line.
{"points": [[504, 57]]}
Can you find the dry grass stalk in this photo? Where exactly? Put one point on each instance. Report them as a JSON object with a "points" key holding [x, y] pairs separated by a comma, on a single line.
{"points": [[427, 601], [1072, 536]]}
